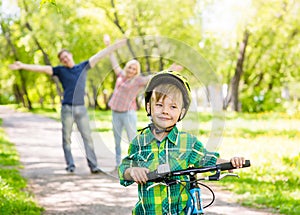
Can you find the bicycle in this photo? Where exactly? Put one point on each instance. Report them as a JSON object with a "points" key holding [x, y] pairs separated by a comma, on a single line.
{"points": [[163, 176]]}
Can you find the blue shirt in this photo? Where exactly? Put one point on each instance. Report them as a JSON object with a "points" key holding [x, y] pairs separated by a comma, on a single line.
{"points": [[73, 82]]}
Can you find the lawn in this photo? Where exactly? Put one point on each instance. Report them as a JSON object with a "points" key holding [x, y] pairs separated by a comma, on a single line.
{"points": [[272, 142], [14, 199]]}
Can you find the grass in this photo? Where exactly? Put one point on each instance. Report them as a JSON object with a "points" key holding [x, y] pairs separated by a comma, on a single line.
{"points": [[271, 187], [269, 140], [272, 144], [14, 199]]}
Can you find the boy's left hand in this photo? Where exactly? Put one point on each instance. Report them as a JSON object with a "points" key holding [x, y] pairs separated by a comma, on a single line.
{"points": [[237, 162]]}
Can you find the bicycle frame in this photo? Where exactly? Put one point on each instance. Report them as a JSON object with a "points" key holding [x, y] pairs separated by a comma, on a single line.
{"points": [[194, 204]]}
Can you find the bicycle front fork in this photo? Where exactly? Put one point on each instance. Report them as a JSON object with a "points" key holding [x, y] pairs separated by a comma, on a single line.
{"points": [[194, 204]]}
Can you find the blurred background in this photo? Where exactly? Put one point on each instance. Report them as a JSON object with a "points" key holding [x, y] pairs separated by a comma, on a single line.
{"points": [[252, 46]]}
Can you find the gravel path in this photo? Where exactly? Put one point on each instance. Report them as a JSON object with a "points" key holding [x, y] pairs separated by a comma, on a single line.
{"points": [[38, 140]]}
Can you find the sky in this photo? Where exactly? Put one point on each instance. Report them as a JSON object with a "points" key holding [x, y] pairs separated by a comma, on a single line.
{"points": [[222, 17], [9, 7]]}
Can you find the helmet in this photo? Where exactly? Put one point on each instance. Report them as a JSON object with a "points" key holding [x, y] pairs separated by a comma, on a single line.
{"points": [[170, 77]]}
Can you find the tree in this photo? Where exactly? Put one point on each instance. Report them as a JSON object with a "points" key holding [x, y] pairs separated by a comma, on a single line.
{"points": [[260, 58], [233, 95], [263, 59]]}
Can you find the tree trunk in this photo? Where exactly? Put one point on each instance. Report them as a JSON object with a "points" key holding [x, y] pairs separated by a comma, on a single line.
{"points": [[25, 98], [24, 89], [47, 62], [233, 95], [117, 23], [94, 103], [146, 47], [18, 94]]}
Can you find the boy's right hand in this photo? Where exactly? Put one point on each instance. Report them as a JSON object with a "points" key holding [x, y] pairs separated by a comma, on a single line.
{"points": [[138, 174]]}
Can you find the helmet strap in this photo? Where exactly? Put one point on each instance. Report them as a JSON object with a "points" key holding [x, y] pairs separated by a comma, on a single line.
{"points": [[159, 131], [182, 114]]}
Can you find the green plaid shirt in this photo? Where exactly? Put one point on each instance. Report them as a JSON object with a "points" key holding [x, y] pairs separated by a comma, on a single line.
{"points": [[180, 150]]}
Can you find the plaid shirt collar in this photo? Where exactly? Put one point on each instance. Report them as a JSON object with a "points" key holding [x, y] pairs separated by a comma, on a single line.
{"points": [[172, 136]]}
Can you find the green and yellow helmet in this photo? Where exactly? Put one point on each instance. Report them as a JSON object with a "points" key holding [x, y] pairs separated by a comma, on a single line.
{"points": [[169, 77]]}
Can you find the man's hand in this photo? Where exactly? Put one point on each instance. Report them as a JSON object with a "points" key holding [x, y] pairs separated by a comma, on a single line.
{"points": [[47, 69], [16, 65]]}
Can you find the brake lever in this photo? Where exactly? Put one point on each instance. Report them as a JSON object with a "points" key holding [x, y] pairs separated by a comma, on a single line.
{"points": [[218, 176], [228, 174], [166, 183], [156, 184]]}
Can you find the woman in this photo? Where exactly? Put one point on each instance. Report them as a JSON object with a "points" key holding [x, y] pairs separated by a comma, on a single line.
{"points": [[123, 101]]}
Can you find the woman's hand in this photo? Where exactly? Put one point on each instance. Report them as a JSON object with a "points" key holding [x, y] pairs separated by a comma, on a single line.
{"points": [[176, 67], [106, 39]]}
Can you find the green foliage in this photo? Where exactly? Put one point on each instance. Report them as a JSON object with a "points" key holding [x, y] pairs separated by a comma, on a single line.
{"points": [[13, 197], [8, 153], [292, 162], [42, 2], [271, 55], [250, 134], [7, 157], [270, 65]]}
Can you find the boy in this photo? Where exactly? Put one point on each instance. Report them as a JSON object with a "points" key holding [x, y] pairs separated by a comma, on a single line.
{"points": [[167, 99]]}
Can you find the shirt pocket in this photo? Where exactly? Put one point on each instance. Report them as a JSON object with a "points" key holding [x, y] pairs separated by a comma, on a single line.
{"points": [[145, 158], [178, 160]]}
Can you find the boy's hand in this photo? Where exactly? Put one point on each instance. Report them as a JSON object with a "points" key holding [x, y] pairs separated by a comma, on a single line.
{"points": [[237, 162], [138, 174]]}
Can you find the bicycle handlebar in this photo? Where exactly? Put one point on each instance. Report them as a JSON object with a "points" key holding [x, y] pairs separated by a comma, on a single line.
{"points": [[162, 173]]}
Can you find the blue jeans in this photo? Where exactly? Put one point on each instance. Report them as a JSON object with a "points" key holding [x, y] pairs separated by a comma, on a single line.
{"points": [[79, 115], [121, 120]]}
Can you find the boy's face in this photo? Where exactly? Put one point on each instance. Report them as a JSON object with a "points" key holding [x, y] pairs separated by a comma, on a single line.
{"points": [[166, 111]]}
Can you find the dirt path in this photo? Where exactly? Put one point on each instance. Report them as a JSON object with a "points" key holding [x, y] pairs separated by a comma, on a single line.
{"points": [[38, 140]]}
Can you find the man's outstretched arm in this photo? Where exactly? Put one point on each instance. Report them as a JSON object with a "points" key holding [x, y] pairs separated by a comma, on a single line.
{"points": [[101, 54], [32, 67]]}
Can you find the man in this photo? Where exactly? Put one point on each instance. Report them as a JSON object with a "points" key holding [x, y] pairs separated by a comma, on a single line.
{"points": [[73, 79]]}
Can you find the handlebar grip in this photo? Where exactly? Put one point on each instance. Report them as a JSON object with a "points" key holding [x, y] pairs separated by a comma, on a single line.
{"points": [[155, 176], [228, 166], [152, 175]]}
